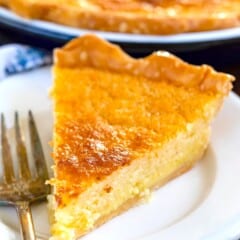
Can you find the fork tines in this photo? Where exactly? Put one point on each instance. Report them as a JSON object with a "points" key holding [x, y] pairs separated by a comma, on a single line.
{"points": [[21, 151], [20, 191], [6, 154]]}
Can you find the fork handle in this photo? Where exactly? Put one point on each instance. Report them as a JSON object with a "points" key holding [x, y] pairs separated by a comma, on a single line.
{"points": [[25, 217]]}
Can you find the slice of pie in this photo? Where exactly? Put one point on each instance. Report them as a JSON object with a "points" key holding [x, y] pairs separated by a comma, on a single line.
{"points": [[123, 127], [133, 16]]}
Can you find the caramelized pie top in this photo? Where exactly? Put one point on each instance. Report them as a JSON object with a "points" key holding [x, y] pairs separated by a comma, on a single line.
{"points": [[110, 108]]}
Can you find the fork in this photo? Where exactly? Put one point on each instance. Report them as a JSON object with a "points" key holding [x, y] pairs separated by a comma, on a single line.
{"points": [[21, 189]]}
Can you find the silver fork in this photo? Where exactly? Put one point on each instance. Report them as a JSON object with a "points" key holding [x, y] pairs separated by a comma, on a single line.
{"points": [[22, 189]]}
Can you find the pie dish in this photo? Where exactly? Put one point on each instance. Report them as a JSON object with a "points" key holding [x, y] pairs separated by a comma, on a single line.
{"points": [[135, 16], [122, 128]]}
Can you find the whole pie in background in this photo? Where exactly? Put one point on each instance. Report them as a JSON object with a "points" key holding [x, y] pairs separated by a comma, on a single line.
{"points": [[133, 16]]}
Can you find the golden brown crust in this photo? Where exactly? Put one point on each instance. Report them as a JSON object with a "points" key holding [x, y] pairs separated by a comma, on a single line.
{"points": [[122, 126], [135, 16], [161, 65], [92, 139]]}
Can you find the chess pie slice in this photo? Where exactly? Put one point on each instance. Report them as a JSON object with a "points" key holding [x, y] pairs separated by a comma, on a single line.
{"points": [[122, 128], [133, 16]]}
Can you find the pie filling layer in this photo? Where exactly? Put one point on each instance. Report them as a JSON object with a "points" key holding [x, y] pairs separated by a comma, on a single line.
{"points": [[123, 127]]}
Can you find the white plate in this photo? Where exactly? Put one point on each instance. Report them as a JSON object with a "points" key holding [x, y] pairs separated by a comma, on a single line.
{"points": [[53, 31], [201, 204]]}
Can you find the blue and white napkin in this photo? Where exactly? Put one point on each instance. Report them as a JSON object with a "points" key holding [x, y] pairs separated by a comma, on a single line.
{"points": [[16, 58]]}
